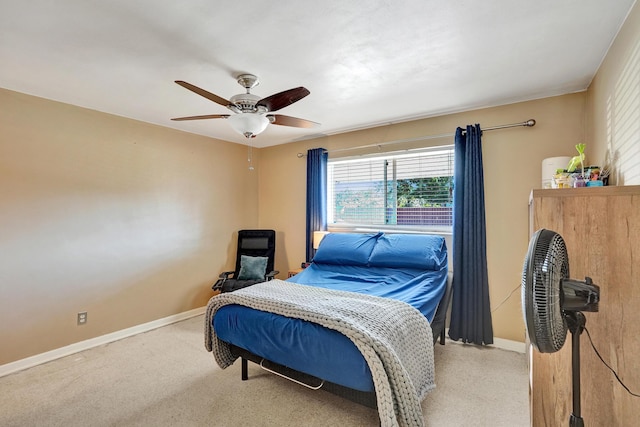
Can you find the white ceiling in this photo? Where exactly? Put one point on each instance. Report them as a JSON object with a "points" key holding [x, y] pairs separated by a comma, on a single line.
{"points": [[366, 62]]}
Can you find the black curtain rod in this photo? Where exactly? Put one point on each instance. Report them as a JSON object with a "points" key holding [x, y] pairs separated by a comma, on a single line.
{"points": [[528, 123]]}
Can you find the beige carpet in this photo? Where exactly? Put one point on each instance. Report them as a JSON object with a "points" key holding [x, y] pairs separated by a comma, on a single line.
{"points": [[165, 377]]}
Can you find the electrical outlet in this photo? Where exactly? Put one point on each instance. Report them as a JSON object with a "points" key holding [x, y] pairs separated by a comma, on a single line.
{"points": [[82, 318]]}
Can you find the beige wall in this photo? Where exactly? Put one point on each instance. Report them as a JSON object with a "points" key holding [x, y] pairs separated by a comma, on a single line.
{"points": [[129, 221], [614, 105], [512, 161]]}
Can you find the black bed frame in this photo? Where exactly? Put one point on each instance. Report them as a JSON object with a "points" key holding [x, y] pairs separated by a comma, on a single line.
{"points": [[364, 398]]}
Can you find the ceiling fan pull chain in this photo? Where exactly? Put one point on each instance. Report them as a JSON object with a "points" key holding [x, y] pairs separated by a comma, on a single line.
{"points": [[250, 157]]}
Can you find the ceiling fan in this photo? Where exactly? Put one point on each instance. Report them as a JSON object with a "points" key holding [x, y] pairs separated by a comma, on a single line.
{"points": [[252, 113]]}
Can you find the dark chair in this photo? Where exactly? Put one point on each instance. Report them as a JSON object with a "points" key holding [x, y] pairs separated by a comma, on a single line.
{"points": [[254, 261]]}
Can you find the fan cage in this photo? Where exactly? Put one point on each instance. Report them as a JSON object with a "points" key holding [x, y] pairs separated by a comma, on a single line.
{"points": [[546, 265]]}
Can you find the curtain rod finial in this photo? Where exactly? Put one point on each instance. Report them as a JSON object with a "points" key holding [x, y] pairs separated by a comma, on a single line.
{"points": [[530, 123]]}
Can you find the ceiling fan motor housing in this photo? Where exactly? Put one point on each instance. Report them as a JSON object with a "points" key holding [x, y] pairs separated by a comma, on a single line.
{"points": [[246, 102]]}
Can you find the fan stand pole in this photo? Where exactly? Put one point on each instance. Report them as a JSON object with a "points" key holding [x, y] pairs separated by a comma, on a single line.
{"points": [[576, 323]]}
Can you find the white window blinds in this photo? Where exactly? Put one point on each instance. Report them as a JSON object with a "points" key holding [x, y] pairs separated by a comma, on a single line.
{"points": [[623, 123], [412, 189]]}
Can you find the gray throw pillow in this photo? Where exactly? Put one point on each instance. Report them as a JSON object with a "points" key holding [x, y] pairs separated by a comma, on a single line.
{"points": [[252, 267]]}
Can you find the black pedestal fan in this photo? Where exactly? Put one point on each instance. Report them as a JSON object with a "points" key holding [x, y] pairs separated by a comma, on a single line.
{"points": [[552, 304]]}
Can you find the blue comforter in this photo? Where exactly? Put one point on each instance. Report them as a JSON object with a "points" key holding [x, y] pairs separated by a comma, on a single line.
{"points": [[410, 268], [422, 289]]}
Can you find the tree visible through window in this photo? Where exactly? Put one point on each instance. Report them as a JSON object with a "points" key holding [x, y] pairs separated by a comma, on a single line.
{"points": [[410, 189]]}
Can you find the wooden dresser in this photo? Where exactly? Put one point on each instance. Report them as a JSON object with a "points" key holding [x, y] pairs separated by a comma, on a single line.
{"points": [[601, 228]]}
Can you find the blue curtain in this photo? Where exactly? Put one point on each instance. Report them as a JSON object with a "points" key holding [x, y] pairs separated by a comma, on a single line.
{"points": [[470, 307], [316, 195]]}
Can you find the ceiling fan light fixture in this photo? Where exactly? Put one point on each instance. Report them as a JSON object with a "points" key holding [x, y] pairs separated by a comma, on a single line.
{"points": [[248, 124]]}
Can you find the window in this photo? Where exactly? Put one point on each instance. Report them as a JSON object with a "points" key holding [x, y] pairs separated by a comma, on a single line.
{"points": [[411, 190]]}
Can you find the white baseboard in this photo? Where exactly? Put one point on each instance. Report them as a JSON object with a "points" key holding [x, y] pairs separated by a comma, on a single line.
{"points": [[503, 344], [48, 356], [516, 346]]}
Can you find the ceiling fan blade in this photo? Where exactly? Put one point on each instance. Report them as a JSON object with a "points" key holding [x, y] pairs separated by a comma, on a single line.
{"points": [[279, 119], [282, 99], [208, 116], [210, 96]]}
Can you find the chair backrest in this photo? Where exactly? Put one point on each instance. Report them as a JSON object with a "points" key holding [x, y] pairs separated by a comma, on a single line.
{"points": [[256, 243]]}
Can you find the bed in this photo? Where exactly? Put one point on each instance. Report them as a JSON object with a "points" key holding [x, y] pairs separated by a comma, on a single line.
{"points": [[310, 328]]}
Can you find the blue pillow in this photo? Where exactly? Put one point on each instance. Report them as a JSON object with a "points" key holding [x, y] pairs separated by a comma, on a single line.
{"points": [[252, 267], [419, 251], [346, 248]]}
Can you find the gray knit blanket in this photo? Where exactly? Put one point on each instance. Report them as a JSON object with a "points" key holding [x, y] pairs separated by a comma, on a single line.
{"points": [[394, 338]]}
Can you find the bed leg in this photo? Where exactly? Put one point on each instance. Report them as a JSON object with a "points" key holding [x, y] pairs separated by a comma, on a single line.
{"points": [[245, 369]]}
